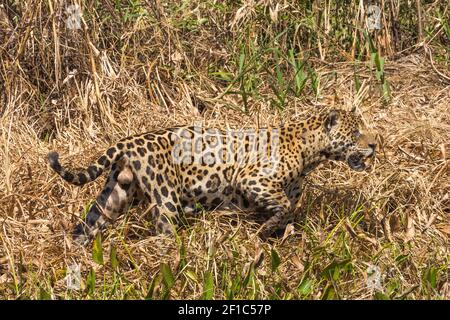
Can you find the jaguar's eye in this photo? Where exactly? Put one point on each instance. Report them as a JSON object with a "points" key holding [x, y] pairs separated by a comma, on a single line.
{"points": [[356, 134]]}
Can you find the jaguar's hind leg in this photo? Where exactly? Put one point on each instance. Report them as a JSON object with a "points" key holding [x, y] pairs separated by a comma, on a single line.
{"points": [[164, 194], [114, 200]]}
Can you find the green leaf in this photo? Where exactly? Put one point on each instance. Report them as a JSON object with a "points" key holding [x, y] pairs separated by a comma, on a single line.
{"points": [[249, 275], [87, 208], [332, 270], [305, 287], [277, 291], [167, 274], [202, 21], [113, 258], [274, 259], [292, 58], [44, 295], [241, 60], [378, 62], [369, 40], [300, 75], [357, 82], [97, 250], [401, 258], [329, 293], [208, 286], [386, 91], [191, 275], [315, 81], [156, 280], [431, 277], [372, 59], [183, 261], [392, 286], [235, 287], [90, 282], [381, 296], [278, 72], [381, 64], [222, 75]]}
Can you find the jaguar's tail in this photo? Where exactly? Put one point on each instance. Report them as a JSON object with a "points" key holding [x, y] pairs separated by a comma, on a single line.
{"points": [[89, 174]]}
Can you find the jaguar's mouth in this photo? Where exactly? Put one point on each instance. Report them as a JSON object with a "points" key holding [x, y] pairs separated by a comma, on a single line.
{"points": [[356, 162]]}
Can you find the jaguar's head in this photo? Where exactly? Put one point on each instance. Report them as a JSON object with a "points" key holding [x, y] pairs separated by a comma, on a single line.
{"points": [[349, 139]]}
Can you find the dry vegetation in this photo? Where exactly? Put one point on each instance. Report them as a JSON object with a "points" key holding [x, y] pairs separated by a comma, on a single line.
{"points": [[139, 65]]}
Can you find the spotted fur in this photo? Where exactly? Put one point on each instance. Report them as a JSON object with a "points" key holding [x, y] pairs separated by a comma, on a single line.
{"points": [[177, 169]]}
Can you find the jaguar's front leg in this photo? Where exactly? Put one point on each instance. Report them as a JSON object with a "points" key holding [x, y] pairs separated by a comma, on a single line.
{"points": [[270, 197], [280, 208], [294, 191]]}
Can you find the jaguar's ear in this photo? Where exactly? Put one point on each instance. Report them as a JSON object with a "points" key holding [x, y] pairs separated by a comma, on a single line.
{"points": [[332, 120]]}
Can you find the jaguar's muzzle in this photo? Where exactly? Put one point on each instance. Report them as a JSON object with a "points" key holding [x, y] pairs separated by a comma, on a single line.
{"points": [[357, 160]]}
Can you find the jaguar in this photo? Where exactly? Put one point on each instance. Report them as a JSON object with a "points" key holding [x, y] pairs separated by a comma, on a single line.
{"points": [[181, 169]]}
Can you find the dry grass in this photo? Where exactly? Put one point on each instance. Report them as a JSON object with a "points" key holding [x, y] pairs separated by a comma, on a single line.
{"points": [[79, 91]]}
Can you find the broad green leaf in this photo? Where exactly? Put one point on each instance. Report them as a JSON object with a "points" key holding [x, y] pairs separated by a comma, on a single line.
{"points": [[235, 287], [315, 81], [392, 286], [223, 75], [300, 75], [381, 296], [386, 91], [97, 250], [183, 261], [191, 275], [90, 282], [292, 58], [329, 293], [156, 280], [401, 258], [369, 40], [378, 62], [431, 277], [113, 258], [249, 275], [167, 274], [372, 59], [208, 286], [44, 295], [357, 83], [305, 287], [274, 259], [332, 270], [87, 207]]}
